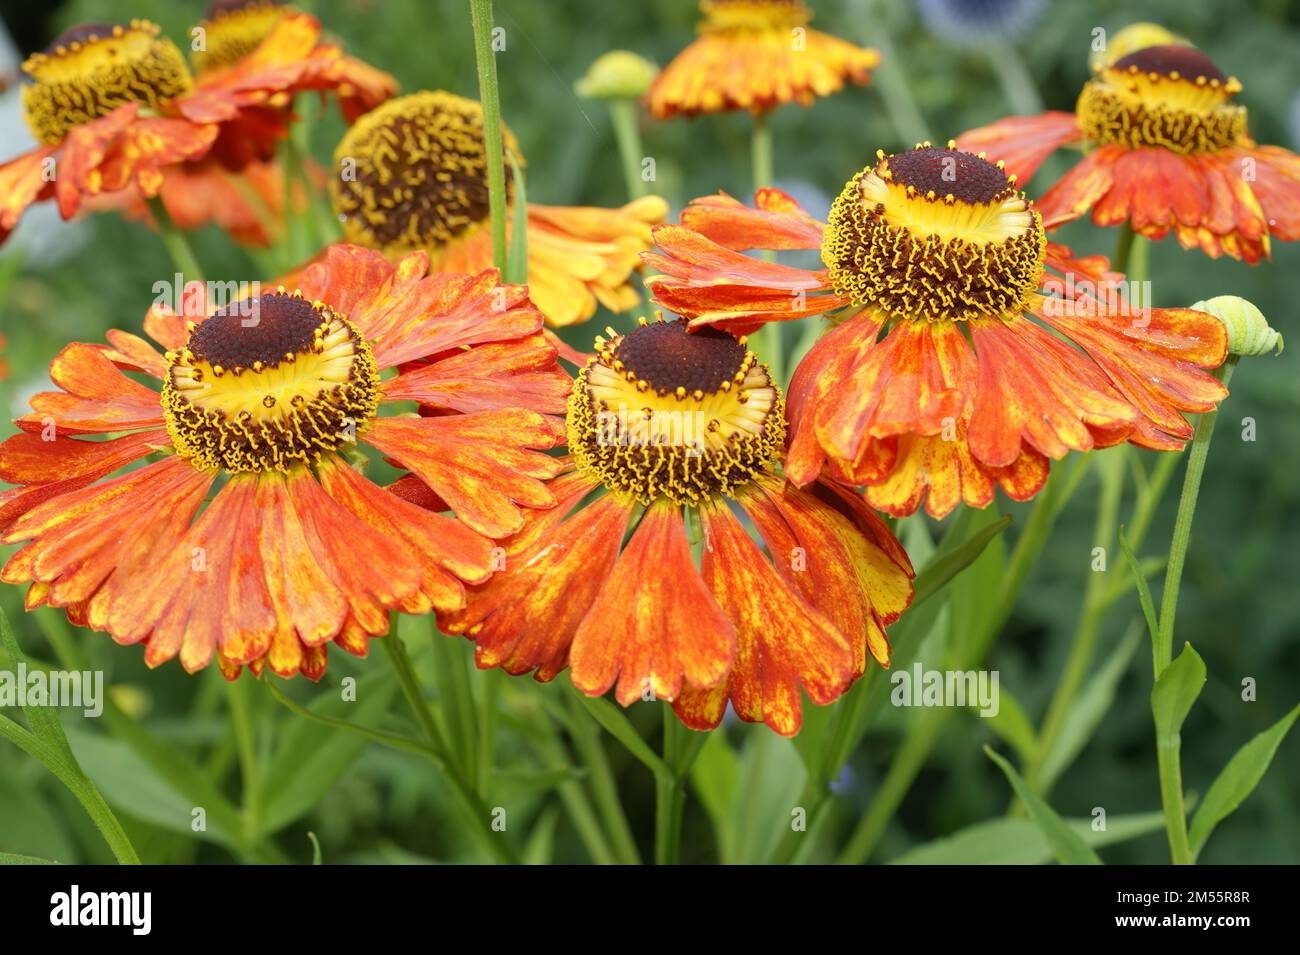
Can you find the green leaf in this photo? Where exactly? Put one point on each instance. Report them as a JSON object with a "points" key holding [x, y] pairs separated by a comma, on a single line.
{"points": [[1174, 693], [540, 847], [1088, 710], [1010, 723], [516, 272], [1067, 845], [1238, 780], [8, 858], [949, 563], [43, 721], [131, 786], [1143, 588], [715, 776], [976, 593], [616, 723], [315, 849], [314, 755], [1017, 841], [771, 780]]}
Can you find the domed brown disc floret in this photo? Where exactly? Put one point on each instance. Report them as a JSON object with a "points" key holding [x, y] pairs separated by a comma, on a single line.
{"points": [[232, 29], [268, 383], [92, 69], [412, 173], [663, 412], [1171, 96], [935, 235]]}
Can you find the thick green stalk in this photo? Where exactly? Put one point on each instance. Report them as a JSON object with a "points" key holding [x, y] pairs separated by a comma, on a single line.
{"points": [[173, 239], [628, 134], [473, 807], [1162, 650], [587, 742], [241, 719], [670, 791], [481, 16]]}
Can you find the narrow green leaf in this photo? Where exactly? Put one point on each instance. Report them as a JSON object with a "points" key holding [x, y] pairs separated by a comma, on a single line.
{"points": [[315, 849], [1175, 692], [715, 777], [1010, 723], [540, 847], [1143, 588], [516, 272], [1067, 845], [1018, 841], [1089, 709], [313, 755], [1238, 780], [43, 721], [948, 564], [8, 858], [616, 723]]}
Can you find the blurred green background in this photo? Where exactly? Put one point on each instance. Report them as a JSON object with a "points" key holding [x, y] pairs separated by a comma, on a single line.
{"points": [[1239, 602]]}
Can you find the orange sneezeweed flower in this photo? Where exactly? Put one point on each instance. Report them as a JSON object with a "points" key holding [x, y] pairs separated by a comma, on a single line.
{"points": [[674, 437], [114, 107], [412, 174], [240, 528], [957, 362], [1165, 150], [756, 55]]}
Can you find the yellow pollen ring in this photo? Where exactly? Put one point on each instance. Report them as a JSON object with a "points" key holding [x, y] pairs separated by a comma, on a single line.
{"points": [[276, 412], [97, 70], [231, 34], [646, 441], [412, 174], [1183, 114], [917, 254], [753, 15]]}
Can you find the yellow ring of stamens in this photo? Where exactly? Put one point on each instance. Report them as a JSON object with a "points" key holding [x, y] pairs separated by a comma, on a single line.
{"points": [[756, 15], [1169, 96], [934, 235], [231, 31], [269, 383], [662, 412], [412, 173], [90, 71]]}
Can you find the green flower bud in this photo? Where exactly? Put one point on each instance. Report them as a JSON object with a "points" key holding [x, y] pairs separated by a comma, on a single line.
{"points": [[617, 75], [1248, 331]]}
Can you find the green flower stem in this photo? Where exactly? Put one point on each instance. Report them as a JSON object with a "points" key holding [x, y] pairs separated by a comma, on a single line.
{"points": [[925, 731], [1162, 649], [1111, 467], [1169, 765], [474, 808], [576, 801], [481, 16], [178, 247], [890, 78], [1017, 83], [628, 133], [587, 741], [670, 791], [241, 719], [766, 342]]}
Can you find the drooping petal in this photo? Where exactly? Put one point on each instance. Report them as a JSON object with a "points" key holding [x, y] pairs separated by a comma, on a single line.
{"points": [[1034, 391], [783, 643], [1022, 142], [658, 630], [777, 221], [483, 465]]}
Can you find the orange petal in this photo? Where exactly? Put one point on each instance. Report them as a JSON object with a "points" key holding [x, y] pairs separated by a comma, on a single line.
{"points": [[96, 397], [1035, 391], [654, 624], [478, 463], [517, 374], [783, 644], [777, 222], [1022, 142]]}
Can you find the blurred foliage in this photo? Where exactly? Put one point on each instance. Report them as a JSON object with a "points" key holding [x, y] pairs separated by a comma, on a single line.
{"points": [[1239, 600]]}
